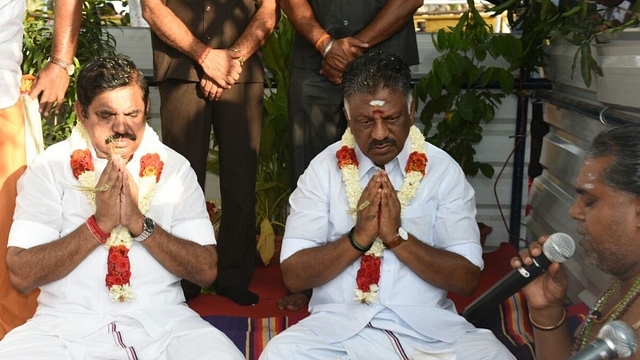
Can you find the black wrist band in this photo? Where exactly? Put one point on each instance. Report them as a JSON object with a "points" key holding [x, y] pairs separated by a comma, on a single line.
{"points": [[354, 243]]}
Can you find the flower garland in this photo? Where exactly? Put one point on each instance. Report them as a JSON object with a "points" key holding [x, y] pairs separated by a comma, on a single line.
{"points": [[120, 240], [595, 314], [368, 275]]}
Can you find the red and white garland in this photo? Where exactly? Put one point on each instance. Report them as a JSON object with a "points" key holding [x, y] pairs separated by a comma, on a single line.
{"points": [[369, 273], [120, 240]]}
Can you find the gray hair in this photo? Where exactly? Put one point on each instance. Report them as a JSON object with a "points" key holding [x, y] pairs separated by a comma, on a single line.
{"points": [[622, 143]]}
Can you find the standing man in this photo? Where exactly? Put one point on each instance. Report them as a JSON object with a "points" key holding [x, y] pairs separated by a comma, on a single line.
{"points": [[209, 70], [382, 226], [51, 84], [329, 35]]}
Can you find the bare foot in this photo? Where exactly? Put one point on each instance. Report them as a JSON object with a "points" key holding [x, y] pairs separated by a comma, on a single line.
{"points": [[293, 302]]}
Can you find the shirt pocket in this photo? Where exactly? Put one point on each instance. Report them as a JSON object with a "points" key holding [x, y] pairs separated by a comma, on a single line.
{"points": [[420, 221]]}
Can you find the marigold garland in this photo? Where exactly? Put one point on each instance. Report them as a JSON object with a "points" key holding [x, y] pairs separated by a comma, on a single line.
{"points": [[368, 275], [120, 240]]}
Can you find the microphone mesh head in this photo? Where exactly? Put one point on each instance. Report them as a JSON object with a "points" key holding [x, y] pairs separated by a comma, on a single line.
{"points": [[559, 247], [623, 337]]}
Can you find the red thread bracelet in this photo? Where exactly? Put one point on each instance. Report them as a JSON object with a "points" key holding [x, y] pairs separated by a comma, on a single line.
{"points": [[203, 55], [97, 232]]}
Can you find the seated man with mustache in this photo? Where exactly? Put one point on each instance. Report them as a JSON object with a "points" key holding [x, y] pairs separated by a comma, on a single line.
{"points": [[107, 223], [382, 226]]}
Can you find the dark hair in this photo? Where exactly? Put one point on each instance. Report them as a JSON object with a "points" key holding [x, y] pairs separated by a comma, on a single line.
{"points": [[374, 71], [622, 144], [109, 73]]}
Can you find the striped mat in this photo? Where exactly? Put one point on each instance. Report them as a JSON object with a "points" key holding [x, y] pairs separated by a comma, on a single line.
{"points": [[250, 335]]}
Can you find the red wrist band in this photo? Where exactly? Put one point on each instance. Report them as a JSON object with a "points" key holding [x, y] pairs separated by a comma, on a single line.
{"points": [[97, 232], [203, 55]]}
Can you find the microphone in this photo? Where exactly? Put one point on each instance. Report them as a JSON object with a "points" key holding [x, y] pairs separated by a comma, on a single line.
{"points": [[558, 248], [616, 340]]}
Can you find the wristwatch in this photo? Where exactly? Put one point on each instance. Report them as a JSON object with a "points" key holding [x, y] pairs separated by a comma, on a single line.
{"points": [[148, 227], [401, 237], [69, 68]]}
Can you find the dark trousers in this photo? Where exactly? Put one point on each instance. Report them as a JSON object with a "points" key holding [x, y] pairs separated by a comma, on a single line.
{"points": [[187, 120], [316, 117]]}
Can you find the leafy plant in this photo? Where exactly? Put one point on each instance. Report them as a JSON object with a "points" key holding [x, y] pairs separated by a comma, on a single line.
{"points": [[274, 176], [579, 22], [94, 41], [457, 86]]}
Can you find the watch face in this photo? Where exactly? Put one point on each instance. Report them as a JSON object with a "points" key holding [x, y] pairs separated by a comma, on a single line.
{"points": [[149, 224], [403, 234], [71, 69]]}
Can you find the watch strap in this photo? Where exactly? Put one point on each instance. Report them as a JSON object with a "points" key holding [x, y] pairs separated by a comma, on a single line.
{"points": [[146, 230], [68, 67]]}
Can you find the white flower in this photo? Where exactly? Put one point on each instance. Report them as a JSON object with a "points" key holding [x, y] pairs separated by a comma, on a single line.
{"points": [[407, 192]]}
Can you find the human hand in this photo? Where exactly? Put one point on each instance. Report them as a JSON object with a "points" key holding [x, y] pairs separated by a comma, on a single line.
{"points": [[52, 82], [331, 73], [548, 290], [210, 89], [107, 194], [367, 222], [130, 214], [389, 209], [221, 66], [343, 51]]}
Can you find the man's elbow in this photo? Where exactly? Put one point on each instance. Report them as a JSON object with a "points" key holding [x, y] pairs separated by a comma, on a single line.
{"points": [[19, 283]]}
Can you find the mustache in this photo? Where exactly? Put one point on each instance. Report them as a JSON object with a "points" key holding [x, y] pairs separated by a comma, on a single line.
{"points": [[118, 136], [385, 141]]}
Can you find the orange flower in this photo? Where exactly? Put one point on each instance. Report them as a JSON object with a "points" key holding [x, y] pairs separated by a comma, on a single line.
{"points": [[417, 162], [118, 266], [81, 161], [150, 164], [369, 272], [346, 156], [26, 82]]}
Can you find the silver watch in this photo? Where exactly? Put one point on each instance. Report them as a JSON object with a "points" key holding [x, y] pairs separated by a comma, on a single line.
{"points": [[149, 226]]}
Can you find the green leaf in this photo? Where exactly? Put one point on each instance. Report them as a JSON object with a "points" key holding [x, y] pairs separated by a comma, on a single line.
{"points": [[487, 170]]}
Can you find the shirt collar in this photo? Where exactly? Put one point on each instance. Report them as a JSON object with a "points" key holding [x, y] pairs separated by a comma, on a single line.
{"points": [[365, 164]]}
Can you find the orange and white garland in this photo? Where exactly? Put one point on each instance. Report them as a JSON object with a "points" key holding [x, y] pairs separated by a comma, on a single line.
{"points": [[119, 240], [369, 273]]}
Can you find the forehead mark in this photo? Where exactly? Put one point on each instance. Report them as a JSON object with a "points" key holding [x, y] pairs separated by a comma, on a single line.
{"points": [[377, 104]]}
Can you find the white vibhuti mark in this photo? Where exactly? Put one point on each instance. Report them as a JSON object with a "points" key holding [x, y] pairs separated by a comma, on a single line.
{"points": [[377, 103]]}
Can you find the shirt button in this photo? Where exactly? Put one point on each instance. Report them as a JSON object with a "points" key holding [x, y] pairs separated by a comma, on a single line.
{"points": [[346, 22], [208, 37], [207, 8]]}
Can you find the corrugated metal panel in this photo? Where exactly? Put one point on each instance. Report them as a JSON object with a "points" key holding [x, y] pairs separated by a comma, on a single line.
{"points": [[574, 113]]}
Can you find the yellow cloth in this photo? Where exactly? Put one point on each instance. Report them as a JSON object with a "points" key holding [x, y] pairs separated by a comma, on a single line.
{"points": [[15, 308]]}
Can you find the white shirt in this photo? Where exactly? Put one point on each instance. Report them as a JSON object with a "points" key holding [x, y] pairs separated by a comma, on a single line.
{"points": [[442, 215], [50, 206], [11, 18]]}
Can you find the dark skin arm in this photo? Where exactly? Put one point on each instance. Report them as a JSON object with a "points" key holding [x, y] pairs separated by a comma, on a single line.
{"points": [[313, 267], [43, 264], [392, 17], [545, 296], [52, 81]]}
